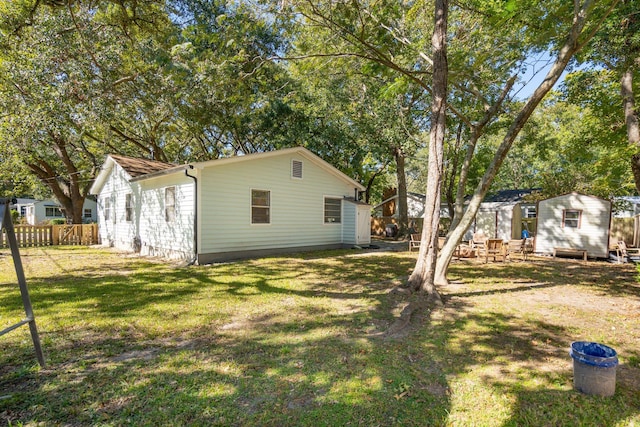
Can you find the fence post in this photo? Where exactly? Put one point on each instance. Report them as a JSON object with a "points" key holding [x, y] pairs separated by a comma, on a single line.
{"points": [[55, 235]]}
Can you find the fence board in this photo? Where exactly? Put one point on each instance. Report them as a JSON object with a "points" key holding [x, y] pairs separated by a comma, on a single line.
{"points": [[48, 235]]}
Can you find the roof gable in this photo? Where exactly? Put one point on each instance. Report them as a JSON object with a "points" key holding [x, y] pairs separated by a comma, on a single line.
{"points": [[133, 167], [303, 152], [141, 169]]}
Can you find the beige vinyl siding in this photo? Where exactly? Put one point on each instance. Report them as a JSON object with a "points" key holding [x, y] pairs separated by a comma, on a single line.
{"points": [[296, 205], [592, 235]]}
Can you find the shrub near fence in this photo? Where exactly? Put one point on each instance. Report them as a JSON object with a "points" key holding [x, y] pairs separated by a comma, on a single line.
{"points": [[48, 235]]}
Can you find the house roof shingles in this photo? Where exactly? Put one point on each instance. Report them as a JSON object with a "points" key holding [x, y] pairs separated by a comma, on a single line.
{"points": [[510, 195], [138, 167]]}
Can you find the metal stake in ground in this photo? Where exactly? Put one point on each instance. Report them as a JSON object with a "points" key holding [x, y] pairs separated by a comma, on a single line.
{"points": [[7, 224]]}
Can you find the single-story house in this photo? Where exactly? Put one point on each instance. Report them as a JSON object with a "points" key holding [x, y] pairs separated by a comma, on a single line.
{"points": [[236, 207], [37, 212], [575, 221]]}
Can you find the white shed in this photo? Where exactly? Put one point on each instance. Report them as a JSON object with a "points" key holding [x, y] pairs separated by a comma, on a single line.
{"points": [[243, 206], [574, 221], [504, 215]]}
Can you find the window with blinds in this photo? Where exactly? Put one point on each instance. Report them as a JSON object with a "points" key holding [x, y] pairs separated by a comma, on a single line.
{"points": [[332, 210]]}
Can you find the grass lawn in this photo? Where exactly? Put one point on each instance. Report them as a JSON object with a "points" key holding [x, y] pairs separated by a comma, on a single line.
{"points": [[294, 341]]}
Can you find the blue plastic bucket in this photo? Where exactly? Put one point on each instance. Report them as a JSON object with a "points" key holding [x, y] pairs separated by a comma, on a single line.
{"points": [[594, 368]]}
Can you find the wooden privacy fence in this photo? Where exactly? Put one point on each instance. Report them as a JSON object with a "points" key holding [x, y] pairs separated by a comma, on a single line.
{"points": [[48, 235]]}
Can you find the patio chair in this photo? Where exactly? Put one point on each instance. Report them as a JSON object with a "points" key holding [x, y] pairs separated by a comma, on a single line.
{"points": [[626, 253], [494, 248], [414, 241]]}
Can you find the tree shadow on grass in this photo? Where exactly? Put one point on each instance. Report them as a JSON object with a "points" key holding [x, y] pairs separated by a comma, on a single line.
{"points": [[309, 360], [602, 277]]}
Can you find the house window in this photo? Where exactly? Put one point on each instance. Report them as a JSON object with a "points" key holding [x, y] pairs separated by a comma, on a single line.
{"points": [[296, 169], [332, 210], [23, 210], [170, 204], [260, 206], [128, 208], [531, 212], [52, 211], [87, 213], [106, 202], [571, 218]]}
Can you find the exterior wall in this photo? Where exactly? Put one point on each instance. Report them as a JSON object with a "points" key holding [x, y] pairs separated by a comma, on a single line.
{"points": [[296, 206], [592, 235], [350, 220], [157, 237], [115, 231], [357, 224], [496, 220], [147, 232]]}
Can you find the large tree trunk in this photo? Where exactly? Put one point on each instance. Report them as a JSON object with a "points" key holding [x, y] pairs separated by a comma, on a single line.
{"points": [[631, 119], [403, 217], [422, 277], [69, 192], [571, 46]]}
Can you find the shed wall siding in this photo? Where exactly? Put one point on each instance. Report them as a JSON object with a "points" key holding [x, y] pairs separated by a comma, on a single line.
{"points": [[296, 210], [592, 235], [350, 222]]}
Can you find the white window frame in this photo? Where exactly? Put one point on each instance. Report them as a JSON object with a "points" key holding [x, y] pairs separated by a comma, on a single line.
{"points": [[170, 205], [531, 210], [258, 206], [107, 209], [128, 207], [325, 217], [54, 210], [571, 222]]}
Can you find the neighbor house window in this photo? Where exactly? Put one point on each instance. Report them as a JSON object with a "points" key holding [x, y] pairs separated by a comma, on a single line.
{"points": [[170, 204], [52, 211], [87, 213], [531, 212], [260, 207], [571, 218], [128, 207], [296, 169], [106, 202], [332, 210]]}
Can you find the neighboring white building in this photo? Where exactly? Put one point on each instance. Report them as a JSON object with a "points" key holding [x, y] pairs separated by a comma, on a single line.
{"points": [[235, 207], [41, 211], [504, 215], [574, 221]]}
